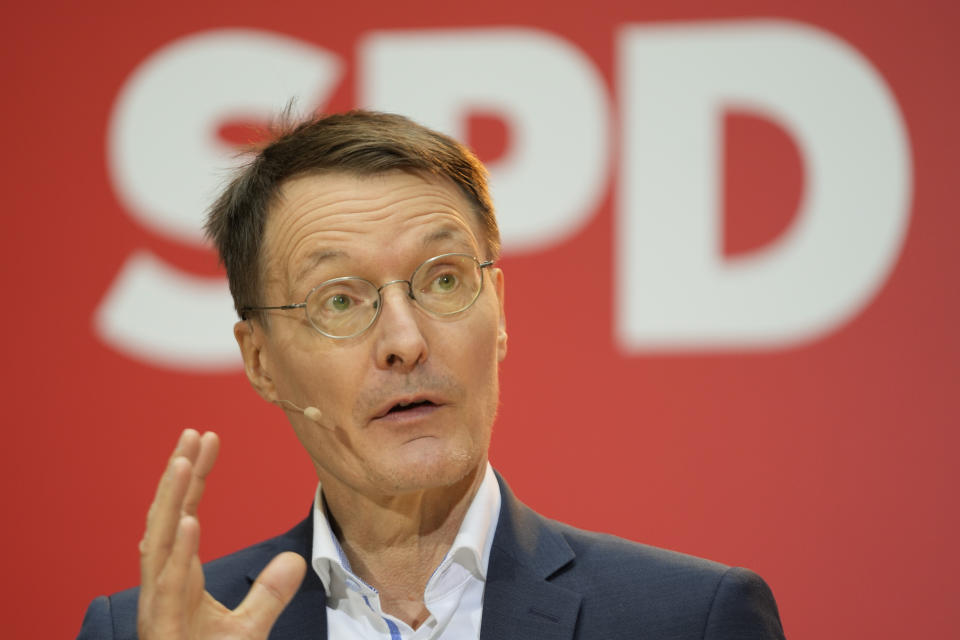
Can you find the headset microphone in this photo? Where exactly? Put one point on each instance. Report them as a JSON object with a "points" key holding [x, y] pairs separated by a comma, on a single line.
{"points": [[312, 413]]}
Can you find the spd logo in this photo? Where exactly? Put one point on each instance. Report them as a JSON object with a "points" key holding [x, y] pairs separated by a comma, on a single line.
{"points": [[675, 290]]}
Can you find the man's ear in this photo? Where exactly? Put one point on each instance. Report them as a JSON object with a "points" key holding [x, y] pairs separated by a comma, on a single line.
{"points": [[502, 329], [250, 336]]}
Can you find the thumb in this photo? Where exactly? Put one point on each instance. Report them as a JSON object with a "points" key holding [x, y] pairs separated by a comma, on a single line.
{"points": [[272, 591]]}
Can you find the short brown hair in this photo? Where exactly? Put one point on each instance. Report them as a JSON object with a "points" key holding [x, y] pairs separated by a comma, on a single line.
{"points": [[359, 142]]}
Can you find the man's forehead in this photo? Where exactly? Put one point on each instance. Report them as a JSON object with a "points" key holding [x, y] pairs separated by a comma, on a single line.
{"points": [[341, 194], [326, 217]]}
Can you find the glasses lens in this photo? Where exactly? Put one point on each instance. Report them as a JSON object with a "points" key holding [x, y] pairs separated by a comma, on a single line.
{"points": [[447, 284], [342, 307]]}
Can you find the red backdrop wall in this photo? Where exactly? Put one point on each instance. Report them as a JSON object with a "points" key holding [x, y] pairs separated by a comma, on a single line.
{"points": [[819, 453]]}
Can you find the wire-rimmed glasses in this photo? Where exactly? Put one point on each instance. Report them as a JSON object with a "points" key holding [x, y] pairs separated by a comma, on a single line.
{"points": [[444, 285]]}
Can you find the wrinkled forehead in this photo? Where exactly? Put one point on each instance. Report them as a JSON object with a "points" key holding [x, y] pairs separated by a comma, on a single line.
{"points": [[339, 213]]}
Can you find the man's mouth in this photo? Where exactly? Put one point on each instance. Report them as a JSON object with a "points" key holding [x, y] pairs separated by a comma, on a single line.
{"points": [[401, 407], [407, 406]]}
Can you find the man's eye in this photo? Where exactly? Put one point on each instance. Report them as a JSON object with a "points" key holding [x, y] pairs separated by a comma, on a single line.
{"points": [[444, 283], [339, 302]]}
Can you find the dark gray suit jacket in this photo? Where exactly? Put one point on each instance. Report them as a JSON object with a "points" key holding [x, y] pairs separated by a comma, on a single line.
{"points": [[546, 580]]}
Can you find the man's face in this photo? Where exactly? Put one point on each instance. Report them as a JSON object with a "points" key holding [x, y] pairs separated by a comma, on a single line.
{"points": [[379, 228]]}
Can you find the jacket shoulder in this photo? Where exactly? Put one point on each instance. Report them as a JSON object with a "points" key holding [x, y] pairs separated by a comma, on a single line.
{"points": [[610, 563], [667, 593]]}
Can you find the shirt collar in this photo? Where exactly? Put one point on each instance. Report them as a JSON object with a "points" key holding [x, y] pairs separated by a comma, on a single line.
{"points": [[470, 548]]}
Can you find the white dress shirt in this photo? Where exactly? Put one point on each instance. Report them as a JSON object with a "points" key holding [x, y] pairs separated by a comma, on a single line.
{"points": [[454, 593]]}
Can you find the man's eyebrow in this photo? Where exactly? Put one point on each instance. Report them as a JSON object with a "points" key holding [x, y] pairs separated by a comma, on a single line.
{"points": [[448, 233], [317, 258]]}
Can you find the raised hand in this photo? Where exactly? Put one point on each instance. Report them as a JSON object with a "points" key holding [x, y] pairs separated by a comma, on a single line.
{"points": [[173, 603]]}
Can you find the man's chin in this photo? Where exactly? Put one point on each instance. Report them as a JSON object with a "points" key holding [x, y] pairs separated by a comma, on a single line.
{"points": [[425, 466]]}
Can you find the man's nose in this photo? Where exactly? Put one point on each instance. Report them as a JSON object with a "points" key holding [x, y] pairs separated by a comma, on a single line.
{"points": [[400, 343]]}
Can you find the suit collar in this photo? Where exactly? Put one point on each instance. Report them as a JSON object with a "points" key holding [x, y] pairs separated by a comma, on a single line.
{"points": [[519, 599]]}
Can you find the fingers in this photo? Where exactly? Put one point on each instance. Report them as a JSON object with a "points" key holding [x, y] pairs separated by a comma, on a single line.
{"points": [[167, 604], [208, 448], [171, 586], [272, 591], [188, 445], [178, 493], [172, 601], [163, 519]]}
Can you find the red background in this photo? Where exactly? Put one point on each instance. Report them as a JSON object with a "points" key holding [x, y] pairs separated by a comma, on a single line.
{"points": [[828, 468]]}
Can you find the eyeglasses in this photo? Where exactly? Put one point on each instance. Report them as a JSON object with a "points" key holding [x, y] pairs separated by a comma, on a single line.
{"points": [[444, 285]]}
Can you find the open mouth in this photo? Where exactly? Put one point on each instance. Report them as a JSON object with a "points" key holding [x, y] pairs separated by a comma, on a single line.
{"points": [[411, 405], [401, 407]]}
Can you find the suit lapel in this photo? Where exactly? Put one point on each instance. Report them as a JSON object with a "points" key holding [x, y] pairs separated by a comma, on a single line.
{"points": [[519, 601]]}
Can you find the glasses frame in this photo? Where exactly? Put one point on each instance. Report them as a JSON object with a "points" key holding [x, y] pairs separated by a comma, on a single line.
{"points": [[379, 303]]}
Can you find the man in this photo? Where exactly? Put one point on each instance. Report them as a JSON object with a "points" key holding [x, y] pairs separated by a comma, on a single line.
{"points": [[360, 250]]}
